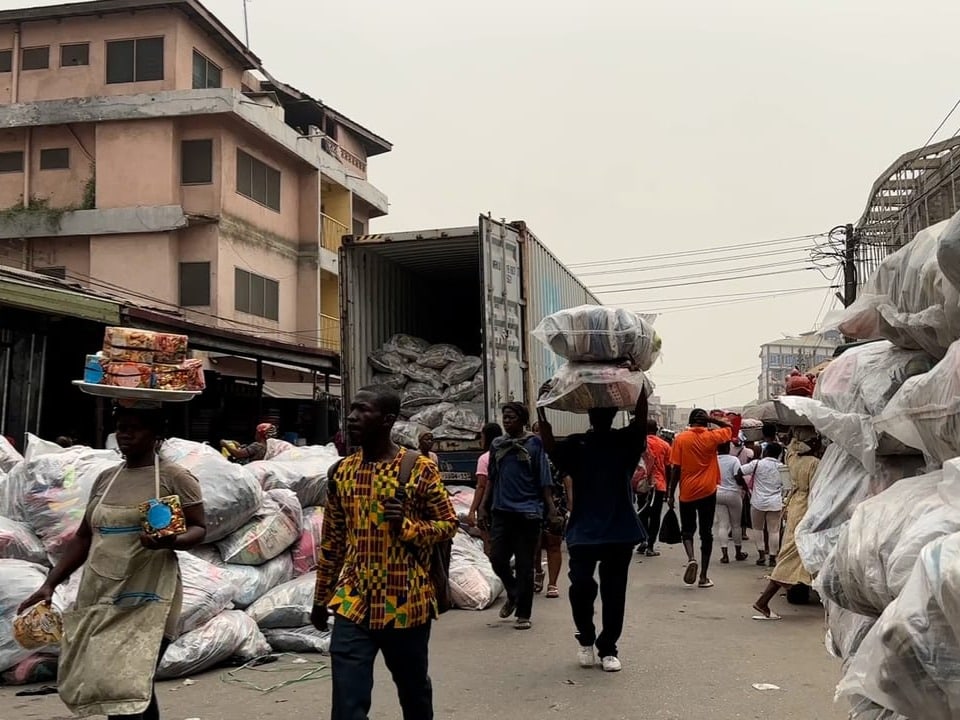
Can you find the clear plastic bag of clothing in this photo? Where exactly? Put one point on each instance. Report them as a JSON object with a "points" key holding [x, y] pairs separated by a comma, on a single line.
{"points": [[461, 370], [407, 434], [395, 381], [845, 630], [298, 640], [231, 634], [439, 356], [207, 591], [449, 432], [286, 606], [300, 469], [432, 415], [423, 375], [418, 395], [465, 391], [596, 333], [473, 583], [18, 542], [305, 551], [408, 346], [385, 361], [580, 387], [18, 580], [463, 417], [9, 457], [251, 581], [272, 531]]}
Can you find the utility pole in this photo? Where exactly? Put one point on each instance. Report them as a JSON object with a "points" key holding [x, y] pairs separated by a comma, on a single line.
{"points": [[246, 25], [849, 267]]}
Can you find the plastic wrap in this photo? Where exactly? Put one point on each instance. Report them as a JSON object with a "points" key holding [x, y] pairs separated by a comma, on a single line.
{"points": [[439, 356], [465, 391], [286, 606], [301, 470], [395, 381], [948, 251], [36, 447], [423, 375], [463, 418], [231, 496], [383, 361], [18, 581], [231, 634], [408, 346], [432, 415], [462, 498], [207, 591], [17, 542], [305, 551], [408, 434], [251, 581], [839, 485], [418, 395], [38, 668], [449, 432], [461, 370], [9, 457], [910, 660], [908, 300], [298, 640], [473, 583], [593, 333], [274, 528], [579, 387], [925, 412], [845, 630]]}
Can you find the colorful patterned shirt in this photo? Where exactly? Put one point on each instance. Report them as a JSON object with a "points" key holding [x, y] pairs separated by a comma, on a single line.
{"points": [[369, 572]]}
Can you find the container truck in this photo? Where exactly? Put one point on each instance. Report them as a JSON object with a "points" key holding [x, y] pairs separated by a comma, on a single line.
{"points": [[482, 287]]}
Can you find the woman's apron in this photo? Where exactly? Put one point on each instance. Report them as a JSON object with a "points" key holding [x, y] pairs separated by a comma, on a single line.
{"points": [[111, 641]]}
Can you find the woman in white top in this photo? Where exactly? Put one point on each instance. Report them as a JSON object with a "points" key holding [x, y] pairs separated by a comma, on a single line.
{"points": [[729, 504], [766, 502]]}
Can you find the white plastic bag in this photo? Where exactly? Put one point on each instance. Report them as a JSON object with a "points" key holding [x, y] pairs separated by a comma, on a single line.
{"points": [[465, 391], [449, 432], [272, 531], [9, 457], [18, 542], [461, 370], [298, 640], [408, 346], [251, 581], [473, 583], [286, 606], [845, 630], [305, 551], [579, 387], [439, 356], [383, 361], [395, 381], [301, 469], [408, 434], [38, 447], [594, 333], [231, 634], [207, 592], [463, 417], [18, 581], [432, 415]]}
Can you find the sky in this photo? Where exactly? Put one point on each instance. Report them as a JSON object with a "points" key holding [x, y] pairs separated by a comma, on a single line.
{"points": [[636, 129]]}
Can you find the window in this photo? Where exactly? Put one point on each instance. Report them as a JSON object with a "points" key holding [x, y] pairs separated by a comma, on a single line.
{"points": [[6, 61], [196, 162], [257, 295], [205, 73], [37, 58], [358, 228], [54, 272], [258, 181], [135, 60], [11, 162], [55, 159], [74, 55], [194, 284]]}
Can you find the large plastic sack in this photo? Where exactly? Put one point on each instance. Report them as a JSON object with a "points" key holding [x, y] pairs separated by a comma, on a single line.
{"points": [[396, 381], [38, 668], [17, 542], [18, 581], [231, 496], [298, 640], [432, 415], [407, 434], [839, 485], [286, 606], [925, 412], [251, 581], [439, 356], [465, 391], [462, 498], [383, 361], [908, 300], [272, 531], [305, 551], [38, 447], [463, 418], [207, 591], [461, 370], [449, 432], [594, 333], [910, 660], [302, 470], [579, 387], [424, 375], [419, 394], [473, 583], [408, 346], [845, 630], [948, 251], [231, 634], [9, 457]]}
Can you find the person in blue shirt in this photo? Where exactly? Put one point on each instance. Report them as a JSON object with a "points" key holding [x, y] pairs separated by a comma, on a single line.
{"points": [[603, 527], [519, 491]]}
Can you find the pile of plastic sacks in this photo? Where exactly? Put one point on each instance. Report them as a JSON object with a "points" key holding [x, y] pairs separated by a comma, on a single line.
{"points": [[441, 388], [882, 531], [606, 349], [248, 592]]}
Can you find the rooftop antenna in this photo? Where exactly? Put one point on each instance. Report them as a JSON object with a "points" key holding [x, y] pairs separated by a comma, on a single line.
{"points": [[246, 25]]}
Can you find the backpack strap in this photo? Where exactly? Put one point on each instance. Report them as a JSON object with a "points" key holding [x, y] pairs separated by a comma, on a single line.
{"points": [[407, 463]]}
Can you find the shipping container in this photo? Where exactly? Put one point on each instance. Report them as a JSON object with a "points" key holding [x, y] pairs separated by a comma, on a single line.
{"points": [[483, 288]]}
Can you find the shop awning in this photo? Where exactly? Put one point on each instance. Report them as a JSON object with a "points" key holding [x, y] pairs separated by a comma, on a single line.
{"points": [[31, 291]]}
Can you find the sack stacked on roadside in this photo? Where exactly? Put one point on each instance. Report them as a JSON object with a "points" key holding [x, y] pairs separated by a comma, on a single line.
{"points": [[473, 583]]}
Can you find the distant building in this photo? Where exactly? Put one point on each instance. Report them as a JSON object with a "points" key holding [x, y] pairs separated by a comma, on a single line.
{"points": [[778, 358]]}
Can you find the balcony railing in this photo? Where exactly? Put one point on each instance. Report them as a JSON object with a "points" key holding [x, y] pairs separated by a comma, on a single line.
{"points": [[330, 332], [344, 155], [331, 232]]}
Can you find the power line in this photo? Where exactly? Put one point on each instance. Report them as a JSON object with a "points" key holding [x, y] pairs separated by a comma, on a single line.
{"points": [[718, 392], [705, 282], [705, 261], [751, 368], [691, 276], [722, 295], [767, 296]]}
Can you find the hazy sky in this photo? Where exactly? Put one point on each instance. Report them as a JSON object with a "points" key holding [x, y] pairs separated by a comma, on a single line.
{"points": [[635, 129]]}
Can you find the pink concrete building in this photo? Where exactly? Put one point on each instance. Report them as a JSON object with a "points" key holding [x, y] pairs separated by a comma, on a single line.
{"points": [[146, 152]]}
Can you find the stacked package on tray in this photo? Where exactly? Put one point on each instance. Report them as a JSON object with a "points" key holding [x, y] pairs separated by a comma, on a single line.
{"points": [[134, 358], [606, 351]]}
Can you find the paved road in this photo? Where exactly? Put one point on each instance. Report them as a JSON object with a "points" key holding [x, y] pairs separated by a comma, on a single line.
{"points": [[687, 654]]}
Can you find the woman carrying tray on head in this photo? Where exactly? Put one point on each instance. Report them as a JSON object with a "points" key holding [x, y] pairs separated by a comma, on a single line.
{"points": [[128, 604]]}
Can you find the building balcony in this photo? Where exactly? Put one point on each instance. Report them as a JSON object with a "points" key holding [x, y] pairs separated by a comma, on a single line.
{"points": [[329, 334], [331, 232], [345, 156]]}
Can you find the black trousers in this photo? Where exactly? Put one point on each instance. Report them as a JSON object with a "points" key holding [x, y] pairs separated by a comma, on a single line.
{"points": [[614, 564], [515, 535], [153, 710], [653, 516], [353, 650], [703, 510]]}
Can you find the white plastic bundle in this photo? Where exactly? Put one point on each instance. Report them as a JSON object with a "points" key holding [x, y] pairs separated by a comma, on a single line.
{"points": [[18, 580], [271, 532], [579, 387], [305, 551], [407, 434], [298, 640], [286, 606], [18, 542], [9, 457], [231, 634], [251, 581], [594, 333], [301, 469], [432, 415], [207, 592], [473, 583]]}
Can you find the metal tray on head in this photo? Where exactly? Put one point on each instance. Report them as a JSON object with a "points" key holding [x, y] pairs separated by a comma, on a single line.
{"points": [[123, 393]]}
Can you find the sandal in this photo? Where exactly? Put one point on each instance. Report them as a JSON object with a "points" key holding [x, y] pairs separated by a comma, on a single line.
{"points": [[523, 624], [705, 584], [553, 591], [690, 574], [538, 582]]}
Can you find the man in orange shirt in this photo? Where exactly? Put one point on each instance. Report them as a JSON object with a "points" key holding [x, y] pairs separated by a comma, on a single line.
{"points": [[694, 467], [656, 459]]}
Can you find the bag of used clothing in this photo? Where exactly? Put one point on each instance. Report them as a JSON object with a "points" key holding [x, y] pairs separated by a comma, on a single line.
{"points": [[17, 542], [925, 412], [910, 660], [845, 630], [272, 531], [231, 495], [449, 432], [439, 356], [9, 457], [462, 498], [383, 361], [408, 346], [594, 333], [37, 447], [670, 529], [407, 434], [231, 634], [463, 418], [432, 415], [461, 370], [301, 469], [473, 583], [395, 381], [286, 606], [465, 391], [18, 581], [207, 591], [38, 668], [251, 581], [908, 300], [580, 387], [298, 640], [417, 395], [423, 375], [305, 551]]}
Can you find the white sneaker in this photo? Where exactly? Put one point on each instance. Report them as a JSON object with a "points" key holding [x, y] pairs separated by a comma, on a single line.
{"points": [[611, 664], [586, 657]]}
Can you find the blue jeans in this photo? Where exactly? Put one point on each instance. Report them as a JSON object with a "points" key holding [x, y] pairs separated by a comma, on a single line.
{"points": [[353, 650]]}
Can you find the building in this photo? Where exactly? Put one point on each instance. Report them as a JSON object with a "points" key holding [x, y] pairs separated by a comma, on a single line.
{"points": [[778, 358], [146, 152]]}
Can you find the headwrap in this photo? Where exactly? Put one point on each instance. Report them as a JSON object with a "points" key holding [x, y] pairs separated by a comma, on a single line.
{"points": [[519, 409], [267, 430]]}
